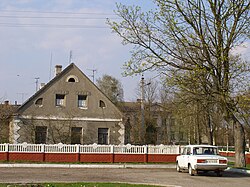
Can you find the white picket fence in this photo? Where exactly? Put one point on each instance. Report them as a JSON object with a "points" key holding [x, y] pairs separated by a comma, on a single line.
{"points": [[94, 148]]}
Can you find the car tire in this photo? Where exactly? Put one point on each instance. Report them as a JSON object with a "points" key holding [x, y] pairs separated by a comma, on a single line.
{"points": [[190, 170], [178, 169]]}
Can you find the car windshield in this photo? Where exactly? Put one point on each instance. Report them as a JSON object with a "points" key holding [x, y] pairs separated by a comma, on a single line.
{"points": [[205, 151]]}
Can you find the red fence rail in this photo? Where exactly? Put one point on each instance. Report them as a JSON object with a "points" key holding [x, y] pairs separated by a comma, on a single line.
{"points": [[94, 153], [88, 153]]}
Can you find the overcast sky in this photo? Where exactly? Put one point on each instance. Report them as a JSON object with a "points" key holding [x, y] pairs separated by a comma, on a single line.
{"points": [[33, 31]]}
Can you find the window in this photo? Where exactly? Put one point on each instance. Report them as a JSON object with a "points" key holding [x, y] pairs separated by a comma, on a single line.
{"points": [[102, 104], [82, 101], [40, 135], [103, 136], [71, 80], [60, 100], [76, 135], [39, 102]]}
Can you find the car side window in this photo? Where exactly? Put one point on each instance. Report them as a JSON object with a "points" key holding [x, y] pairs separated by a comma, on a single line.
{"points": [[188, 150]]}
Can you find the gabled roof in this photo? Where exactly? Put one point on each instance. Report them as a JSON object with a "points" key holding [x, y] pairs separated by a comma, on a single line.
{"points": [[55, 79], [48, 84]]}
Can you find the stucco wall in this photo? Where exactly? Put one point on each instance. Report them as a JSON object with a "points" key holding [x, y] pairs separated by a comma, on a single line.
{"points": [[60, 131]]}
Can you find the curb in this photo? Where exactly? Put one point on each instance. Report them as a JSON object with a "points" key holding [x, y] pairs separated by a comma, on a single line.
{"points": [[111, 166], [237, 170]]}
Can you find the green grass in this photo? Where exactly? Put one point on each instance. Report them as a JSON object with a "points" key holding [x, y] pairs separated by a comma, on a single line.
{"points": [[76, 185]]}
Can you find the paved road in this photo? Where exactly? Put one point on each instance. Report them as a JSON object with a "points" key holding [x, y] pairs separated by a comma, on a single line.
{"points": [[149, 176]]}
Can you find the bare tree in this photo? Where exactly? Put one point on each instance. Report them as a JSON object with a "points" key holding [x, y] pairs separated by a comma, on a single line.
{"points": [[194, 37]]}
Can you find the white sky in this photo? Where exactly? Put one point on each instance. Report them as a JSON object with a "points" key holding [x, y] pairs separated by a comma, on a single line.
{"points": [[26, 46]]}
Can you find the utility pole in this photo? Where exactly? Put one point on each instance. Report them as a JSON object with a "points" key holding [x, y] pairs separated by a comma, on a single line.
{"points": [[143, 126], [143, 130], [37, 78]]}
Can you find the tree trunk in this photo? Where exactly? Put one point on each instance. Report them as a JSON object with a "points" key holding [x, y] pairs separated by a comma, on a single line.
{"points": [[239, 144], [210, 130]]}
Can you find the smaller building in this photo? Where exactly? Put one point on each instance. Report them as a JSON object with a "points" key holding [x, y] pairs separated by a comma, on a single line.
{"points": [[69, 109], [159, 124]]}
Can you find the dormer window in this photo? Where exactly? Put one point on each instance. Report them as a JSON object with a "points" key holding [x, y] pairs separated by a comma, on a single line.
{"points": [[72, 78]]}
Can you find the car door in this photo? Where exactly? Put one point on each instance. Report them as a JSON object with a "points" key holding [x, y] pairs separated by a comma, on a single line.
{"points": [[181, 160]]}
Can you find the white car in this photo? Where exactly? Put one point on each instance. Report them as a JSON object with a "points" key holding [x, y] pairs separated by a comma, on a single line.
{"points": [[195, 158]]}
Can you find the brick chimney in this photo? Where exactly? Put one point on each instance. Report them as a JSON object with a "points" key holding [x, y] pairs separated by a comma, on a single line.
{"points": [[58, 69]]}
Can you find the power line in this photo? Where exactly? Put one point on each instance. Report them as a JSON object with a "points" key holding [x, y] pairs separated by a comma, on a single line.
{"points": [[55, 17], [52, 26], [51, 12]]}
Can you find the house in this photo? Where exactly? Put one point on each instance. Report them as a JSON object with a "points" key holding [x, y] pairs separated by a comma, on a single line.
{"points": [[69, 109]]}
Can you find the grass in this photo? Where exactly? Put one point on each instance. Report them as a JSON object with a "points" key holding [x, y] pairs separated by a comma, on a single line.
{"points": [[77, 185]]}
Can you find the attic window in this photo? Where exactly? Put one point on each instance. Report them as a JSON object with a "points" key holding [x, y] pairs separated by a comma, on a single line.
{"points": [[102, 104], [39, 102], [72, 78]]}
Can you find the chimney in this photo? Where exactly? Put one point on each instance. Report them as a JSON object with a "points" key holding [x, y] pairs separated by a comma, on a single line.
{"points": [[58, 69], [6, 102]]}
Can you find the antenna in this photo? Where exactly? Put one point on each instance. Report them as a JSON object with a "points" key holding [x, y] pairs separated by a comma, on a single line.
{"points": [[50, 66], [93, 74], [70, 57], [22, 95], [37, 78]]}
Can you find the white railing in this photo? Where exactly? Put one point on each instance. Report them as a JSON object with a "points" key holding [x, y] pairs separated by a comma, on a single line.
{"points": [[61, 148], [130, 149], [3, 147], [164, 149], [94, 148], [25, 148]]}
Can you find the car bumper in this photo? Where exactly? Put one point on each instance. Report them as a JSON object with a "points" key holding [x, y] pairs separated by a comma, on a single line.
{"points": [[210, 167]]}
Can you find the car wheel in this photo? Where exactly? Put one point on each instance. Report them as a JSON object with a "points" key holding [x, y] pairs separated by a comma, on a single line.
{"points": [[178, 167], [190, 170]]}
